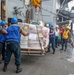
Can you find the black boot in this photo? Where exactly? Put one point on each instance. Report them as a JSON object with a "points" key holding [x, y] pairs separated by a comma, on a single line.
{"points": [[61, 49], [65, 49], [18, 69], [53, 52], [0, 61], [5, 68], [48, 50]]}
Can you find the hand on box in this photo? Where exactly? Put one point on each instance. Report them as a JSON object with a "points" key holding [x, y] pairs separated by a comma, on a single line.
{"points": [[26, 34]]}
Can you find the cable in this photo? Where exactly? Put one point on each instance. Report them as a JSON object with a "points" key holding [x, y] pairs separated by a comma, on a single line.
{"points": [[52, 12], [65, 3], [56, 14], [41, 14], [39, 38], [38, 17]]}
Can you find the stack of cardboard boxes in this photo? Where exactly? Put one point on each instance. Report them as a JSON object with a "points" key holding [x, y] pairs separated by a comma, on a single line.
{"points": [[38, 36]]}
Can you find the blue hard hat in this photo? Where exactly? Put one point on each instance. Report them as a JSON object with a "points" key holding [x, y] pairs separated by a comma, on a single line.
{"points": [[50, 24], [14, 20], [3, 23]]}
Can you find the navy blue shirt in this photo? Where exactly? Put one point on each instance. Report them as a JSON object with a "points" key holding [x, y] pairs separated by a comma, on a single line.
{"points": [[52, 35]]}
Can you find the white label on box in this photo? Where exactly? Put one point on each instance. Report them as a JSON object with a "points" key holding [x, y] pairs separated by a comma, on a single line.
{"points": [[32, 36]]}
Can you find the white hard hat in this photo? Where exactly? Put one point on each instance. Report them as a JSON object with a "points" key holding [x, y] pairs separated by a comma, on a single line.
{"points": [[47, 24], [41, 23], [57, 26]]}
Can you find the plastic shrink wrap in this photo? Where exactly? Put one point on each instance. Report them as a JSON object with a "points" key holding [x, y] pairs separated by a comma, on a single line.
{"points": [[38, 37]]}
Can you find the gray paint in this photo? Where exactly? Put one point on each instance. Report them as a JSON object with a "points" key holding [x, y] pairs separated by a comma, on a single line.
{"points": [[11, 4], [51, 6]]}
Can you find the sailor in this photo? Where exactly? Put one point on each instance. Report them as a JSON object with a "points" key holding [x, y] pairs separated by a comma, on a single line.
{"points": [[13, 44]]}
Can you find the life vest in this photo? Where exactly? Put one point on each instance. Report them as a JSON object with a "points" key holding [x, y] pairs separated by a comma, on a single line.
{"points": [[66, 34], [13, 34], [36, 2]]}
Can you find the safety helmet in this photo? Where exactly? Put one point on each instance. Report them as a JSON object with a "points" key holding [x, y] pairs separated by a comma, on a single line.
{"points": [[3, 23], [38, 1], [57, 26], [50, 24], [47, 24], [14, 20], [67, 27]]}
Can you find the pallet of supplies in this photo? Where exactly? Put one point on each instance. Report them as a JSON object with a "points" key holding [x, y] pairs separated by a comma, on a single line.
{"points": [[36, 41]]}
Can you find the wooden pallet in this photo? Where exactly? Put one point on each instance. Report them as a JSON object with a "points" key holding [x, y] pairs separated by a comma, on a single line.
{"points": [[32, 51]]}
